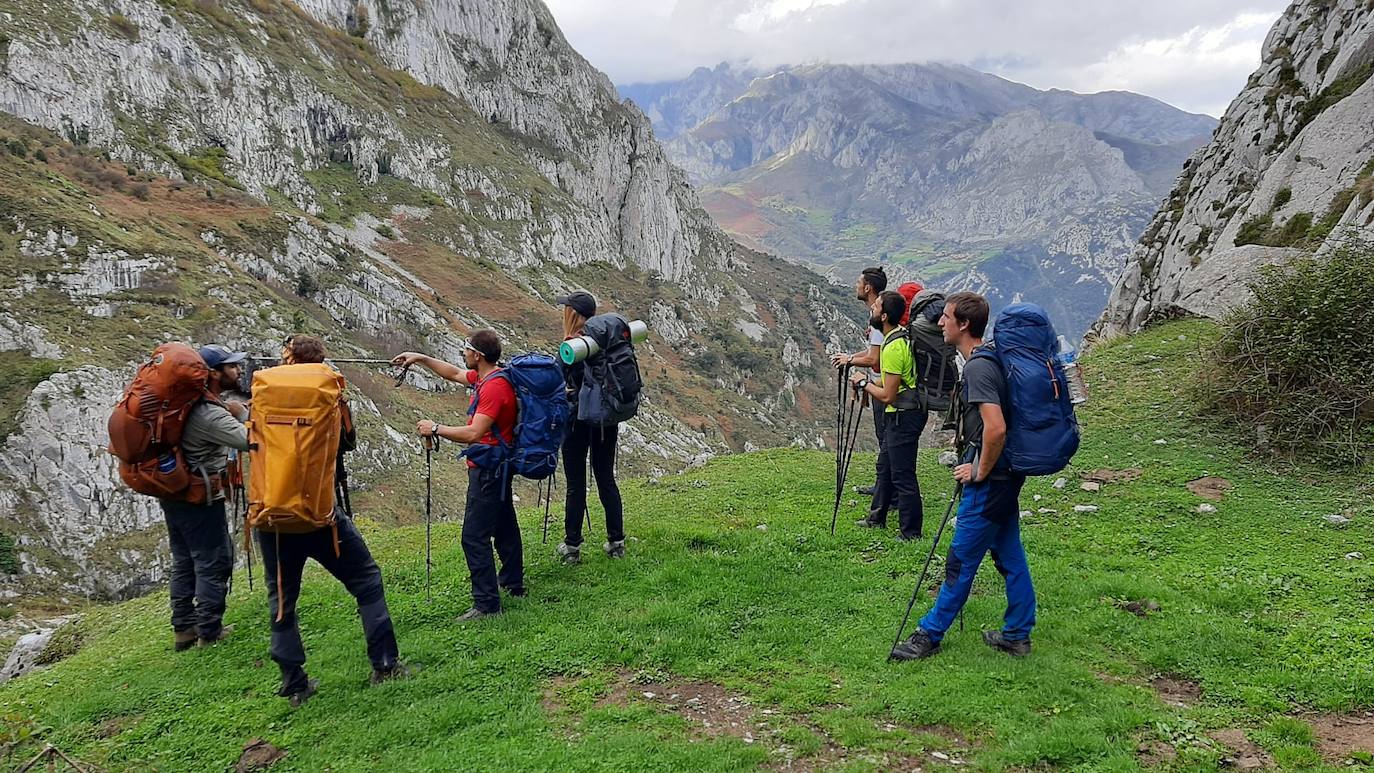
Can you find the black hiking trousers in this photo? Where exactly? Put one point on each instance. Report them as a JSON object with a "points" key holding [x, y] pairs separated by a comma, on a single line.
{"points": [[202, 560], [284, 557], [584, 439], [904, 430], [490, 518], [882, 485]]}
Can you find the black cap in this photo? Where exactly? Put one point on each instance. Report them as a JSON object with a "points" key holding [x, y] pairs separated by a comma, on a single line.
{"points": [[581, 302]]}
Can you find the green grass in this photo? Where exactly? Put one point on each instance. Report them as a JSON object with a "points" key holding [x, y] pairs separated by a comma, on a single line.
{"points": [[1257, 604]]}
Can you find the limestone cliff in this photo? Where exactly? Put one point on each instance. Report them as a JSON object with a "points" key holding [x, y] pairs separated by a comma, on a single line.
{"points": [[1290, 169], [387, 175]]}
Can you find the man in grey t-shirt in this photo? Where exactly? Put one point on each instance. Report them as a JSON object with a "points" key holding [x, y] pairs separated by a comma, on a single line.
{"points": [[989, 513], [202, 550]]}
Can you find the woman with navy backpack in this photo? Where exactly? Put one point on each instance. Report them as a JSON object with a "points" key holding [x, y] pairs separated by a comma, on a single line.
{"points": [[585, 438]]}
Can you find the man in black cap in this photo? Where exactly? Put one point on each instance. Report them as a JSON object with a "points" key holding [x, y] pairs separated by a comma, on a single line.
{"points": [[583, 440], [202, 550]]}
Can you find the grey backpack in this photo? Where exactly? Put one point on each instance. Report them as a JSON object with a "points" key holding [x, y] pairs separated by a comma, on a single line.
{"points": [[937, 371]]}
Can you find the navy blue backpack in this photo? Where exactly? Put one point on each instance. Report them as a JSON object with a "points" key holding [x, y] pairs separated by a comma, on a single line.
{"points": [[541, 419], [611, 389], [1042, 431]]}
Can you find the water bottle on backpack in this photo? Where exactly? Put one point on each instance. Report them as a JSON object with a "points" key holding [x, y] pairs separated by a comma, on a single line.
{"points": [[1068, 360]]}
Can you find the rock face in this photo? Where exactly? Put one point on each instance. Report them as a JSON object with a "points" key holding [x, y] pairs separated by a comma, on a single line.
{"points": [[1290, 168], [390, 176], [949, 175]]}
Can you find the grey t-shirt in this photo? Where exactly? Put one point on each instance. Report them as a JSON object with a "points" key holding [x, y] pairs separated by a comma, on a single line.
{"points": [[983, 383], [211, 430]]}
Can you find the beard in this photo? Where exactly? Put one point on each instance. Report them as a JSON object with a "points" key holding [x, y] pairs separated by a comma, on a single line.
{"points": [[876, 322]]}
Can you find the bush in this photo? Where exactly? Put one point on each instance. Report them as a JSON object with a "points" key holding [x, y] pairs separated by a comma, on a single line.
{"points": [[1297, 359], [124, 26]]}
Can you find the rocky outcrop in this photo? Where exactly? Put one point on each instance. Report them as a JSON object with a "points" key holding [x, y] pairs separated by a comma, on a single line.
{"points": [[950, 175], [1290, 167], [389, 175]]}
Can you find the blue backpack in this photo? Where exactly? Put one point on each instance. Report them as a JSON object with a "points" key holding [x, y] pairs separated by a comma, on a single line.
{"points": [[611, 389], [541, 419], [1042, 431]]}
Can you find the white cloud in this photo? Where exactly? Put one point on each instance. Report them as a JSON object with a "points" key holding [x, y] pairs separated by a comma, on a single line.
{"points": [[1192, 53]]}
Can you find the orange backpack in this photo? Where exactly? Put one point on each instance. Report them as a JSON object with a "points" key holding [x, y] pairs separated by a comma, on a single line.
{"points": [[293, 440], [146, 424]]}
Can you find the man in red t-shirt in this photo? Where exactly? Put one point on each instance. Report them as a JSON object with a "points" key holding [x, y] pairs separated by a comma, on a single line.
{"points": [[490, 512]]}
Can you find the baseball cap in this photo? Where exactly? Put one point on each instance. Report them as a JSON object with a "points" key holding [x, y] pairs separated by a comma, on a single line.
{"points": [[581, 302], [216, 356]]}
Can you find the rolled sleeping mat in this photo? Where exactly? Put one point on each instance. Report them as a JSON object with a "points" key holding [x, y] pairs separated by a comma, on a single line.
{"points": [[576, 350]]}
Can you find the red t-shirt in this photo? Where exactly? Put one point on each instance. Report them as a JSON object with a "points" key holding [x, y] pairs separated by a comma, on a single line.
{"points": [[495, 398]]}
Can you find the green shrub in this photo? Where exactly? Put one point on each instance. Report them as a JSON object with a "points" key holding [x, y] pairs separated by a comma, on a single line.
{"points": [[1297, 358], [1255, 230], [65, 642], [306, 284], [124, 26], [9, 555], [1284, 196]]}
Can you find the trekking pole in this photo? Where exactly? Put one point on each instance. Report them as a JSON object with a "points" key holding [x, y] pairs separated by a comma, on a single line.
{"points": [[840, 431], [849, 456], [429, 496], [548, 502], [851, 437], [247, 540], [953, 500]]}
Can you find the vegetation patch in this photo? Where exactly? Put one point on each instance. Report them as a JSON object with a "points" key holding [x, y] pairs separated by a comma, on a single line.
{"points": [[19, 374], [1296, 360]]}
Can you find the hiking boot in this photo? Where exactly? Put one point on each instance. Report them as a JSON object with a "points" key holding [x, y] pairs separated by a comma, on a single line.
{"points": [[868, 523], [397, 672], [475, 614], [614, 549], [867, 491], [917, 647], [569, 553], [518, 592], [1017, 648], [184, 640], [219, 637], [296, 699], [902, 537]]}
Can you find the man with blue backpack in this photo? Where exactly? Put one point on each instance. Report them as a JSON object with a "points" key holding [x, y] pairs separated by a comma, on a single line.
{"points": [[1015, 419], [516, 421]]}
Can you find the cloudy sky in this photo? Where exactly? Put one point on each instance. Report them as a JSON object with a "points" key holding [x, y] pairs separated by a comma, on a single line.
{"points": [[1195, 54]]}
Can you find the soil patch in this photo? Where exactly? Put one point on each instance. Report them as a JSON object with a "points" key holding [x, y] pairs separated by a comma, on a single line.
{"points": [[258, 755], [1176, 691], [1155, 754], [712, 711], [1138, 607], [1245, 755], [1340, 736], [1105, 476], [1210, 487], [116, 725]]}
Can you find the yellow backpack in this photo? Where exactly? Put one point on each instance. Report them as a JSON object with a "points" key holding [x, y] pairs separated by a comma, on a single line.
{"points": [[293, 439]]}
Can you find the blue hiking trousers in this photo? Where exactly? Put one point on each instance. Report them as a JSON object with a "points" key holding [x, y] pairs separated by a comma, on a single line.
{"points": [[988, 521]]}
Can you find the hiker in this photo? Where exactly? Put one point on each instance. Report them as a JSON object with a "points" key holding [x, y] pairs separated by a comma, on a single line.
{"points": [[585, 439], [489, 514], [202, 550], [338, 547], [871, 283], [896, 396], [989, 513]]}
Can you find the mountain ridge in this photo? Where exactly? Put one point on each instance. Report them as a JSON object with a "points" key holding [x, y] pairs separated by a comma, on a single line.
{"points": [[952, 176]]}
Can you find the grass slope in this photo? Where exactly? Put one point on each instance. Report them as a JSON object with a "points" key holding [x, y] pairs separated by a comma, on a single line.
{"points": [[1258, 605]]}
